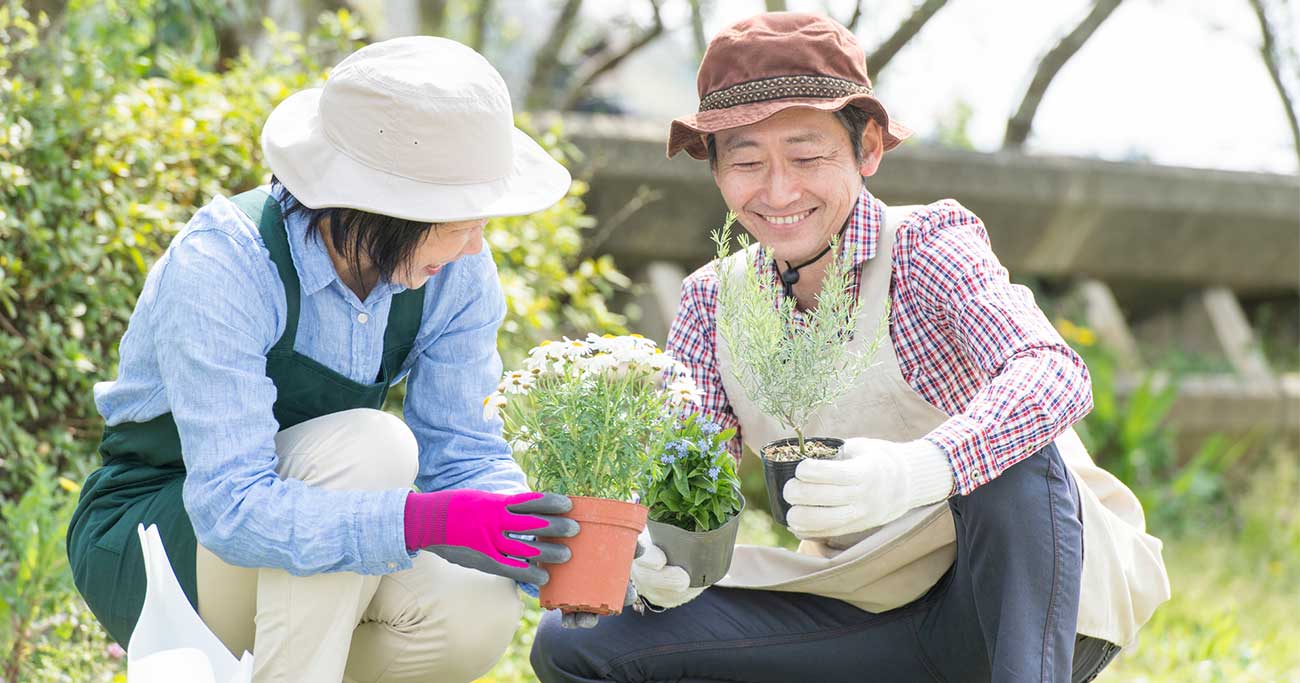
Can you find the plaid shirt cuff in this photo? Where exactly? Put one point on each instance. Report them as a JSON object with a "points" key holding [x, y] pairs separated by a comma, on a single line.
{"points": [[968, 450]]}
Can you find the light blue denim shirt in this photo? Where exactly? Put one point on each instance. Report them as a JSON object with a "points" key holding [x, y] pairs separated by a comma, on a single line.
{"points": [[211, 308]]}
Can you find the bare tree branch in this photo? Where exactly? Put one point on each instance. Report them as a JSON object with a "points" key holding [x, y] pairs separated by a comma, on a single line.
{"points": [[593, 69], [547, 60], [433, 17], [697, 29], [912, 25], [479, 25], [1269, 51], [852, 23], [1022, 121], [643, 197]]}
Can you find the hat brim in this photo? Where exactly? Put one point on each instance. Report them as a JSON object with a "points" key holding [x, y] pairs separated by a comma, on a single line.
{"points": [[687, 132], [320, 175]]}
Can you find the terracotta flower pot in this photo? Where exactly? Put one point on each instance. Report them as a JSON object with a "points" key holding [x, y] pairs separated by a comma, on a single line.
{"points": [[776, 474], [705, 555], [595, 578]]}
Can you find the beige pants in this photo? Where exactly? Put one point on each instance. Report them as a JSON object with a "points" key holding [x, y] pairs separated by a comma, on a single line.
{"points": [[434, 622]]}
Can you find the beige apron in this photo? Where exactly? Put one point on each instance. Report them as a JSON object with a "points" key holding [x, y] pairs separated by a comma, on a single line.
{"points": [[1124, 577]]}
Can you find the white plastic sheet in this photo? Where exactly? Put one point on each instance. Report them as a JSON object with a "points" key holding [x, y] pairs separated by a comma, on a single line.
{"points": [[171, 644]]}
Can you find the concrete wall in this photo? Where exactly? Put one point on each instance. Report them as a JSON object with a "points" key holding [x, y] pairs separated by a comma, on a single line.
{"points": [[1179, 246], [1119, 222]]}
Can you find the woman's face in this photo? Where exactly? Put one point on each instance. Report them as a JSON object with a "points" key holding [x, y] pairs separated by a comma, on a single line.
{"points": [[442, 244]]}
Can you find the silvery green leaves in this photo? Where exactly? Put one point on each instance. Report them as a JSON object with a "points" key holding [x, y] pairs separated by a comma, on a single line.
{"points": [[693, 484], [790, 363]]}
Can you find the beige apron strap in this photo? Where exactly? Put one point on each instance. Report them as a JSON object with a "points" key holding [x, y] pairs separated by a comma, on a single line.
{"points": [[891, 565]]}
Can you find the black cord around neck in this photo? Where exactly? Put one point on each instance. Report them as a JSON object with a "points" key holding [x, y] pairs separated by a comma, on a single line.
{"points": [[791, 275]]}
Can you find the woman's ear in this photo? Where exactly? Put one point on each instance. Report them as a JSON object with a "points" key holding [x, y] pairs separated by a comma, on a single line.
{"points": [[873, 148]]}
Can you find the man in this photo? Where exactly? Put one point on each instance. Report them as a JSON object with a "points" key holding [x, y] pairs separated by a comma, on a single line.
{"points": [[967, 500]]}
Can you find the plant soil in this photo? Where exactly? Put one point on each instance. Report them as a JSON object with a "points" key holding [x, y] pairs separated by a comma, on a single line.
{"points": [[790, 452]]}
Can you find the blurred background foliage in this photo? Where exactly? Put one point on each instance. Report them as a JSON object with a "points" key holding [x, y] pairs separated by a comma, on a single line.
{"points": [[118, 118], [111, 140]]}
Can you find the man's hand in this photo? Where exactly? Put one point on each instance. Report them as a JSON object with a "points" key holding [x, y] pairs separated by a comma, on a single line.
{"points": [[662, 584], [491, 532], [875, 483]]}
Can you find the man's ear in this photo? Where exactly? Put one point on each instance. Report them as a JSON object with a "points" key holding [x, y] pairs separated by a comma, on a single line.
{"points": [[873, 148]]}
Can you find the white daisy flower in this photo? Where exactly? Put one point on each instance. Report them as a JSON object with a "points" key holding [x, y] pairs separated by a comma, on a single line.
{"points": [[682, 391], [659, 360], [572, 348], [518, 381], [492, 405], [598, 363]]}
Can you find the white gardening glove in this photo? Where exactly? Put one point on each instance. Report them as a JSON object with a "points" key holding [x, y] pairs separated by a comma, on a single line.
{"points": [[874, 484], [662, 584]]}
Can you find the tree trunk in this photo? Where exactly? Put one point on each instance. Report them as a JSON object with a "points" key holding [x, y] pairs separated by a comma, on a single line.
{"points": [[433, 17], [1019, 125], [542, 85], [1272, 57], [697, 28], [240, 31], [599, 66], [479, 26], [907, 30]]}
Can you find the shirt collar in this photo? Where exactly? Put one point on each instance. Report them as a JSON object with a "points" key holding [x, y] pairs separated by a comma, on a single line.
{"points": [[860, 237], [863, 233], [312, 261]]}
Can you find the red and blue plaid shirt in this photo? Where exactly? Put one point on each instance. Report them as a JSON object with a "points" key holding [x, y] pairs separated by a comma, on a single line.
{"points": [[968, 341]]}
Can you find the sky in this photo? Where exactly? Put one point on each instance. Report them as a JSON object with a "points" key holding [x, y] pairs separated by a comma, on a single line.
{"points": [[1175, 82]]}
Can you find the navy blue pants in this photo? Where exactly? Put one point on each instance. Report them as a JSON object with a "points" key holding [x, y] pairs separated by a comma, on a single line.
{"points": [[1005, 611]]}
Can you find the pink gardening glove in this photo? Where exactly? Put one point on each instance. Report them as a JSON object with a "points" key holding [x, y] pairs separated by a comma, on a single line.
{"points": [[469, 528]]}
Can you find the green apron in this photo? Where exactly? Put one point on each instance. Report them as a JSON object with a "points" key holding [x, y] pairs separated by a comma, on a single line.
{"points": [[142, 475]]}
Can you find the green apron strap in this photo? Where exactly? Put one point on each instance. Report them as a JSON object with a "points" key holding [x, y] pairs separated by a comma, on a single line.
{"points": [[404, 317], [404, 314], [264, 210]]}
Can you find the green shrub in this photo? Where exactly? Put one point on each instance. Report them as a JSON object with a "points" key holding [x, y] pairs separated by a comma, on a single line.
{"points": [[37, 617], [108, 144], [1128, 434]]}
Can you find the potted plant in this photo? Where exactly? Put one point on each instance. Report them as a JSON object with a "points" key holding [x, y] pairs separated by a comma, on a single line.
{"points": [[694, 500], [790, 362], [585, 418]]}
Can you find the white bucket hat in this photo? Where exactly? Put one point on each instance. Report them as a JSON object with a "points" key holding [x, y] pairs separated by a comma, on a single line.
{"points": [[418, 128]]}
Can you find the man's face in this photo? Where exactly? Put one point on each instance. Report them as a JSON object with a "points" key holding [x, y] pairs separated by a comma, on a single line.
{"points": [[792, 178]]}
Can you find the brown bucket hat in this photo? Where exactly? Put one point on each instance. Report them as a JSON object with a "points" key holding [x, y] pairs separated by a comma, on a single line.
{"points": [[761, 65]]}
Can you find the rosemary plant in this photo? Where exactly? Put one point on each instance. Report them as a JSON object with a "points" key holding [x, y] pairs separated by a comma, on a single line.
{"points": [[789, 364]]}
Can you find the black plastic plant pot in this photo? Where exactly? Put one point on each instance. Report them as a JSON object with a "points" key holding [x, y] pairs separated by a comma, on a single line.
{"points": [[776, 474], [705, 555]]}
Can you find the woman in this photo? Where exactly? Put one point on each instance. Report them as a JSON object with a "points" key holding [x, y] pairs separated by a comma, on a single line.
{"points": [[245, 418]]}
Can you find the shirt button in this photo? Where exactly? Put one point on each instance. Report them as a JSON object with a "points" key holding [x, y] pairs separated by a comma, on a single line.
{"points": [[362, 318], [391, 565]]}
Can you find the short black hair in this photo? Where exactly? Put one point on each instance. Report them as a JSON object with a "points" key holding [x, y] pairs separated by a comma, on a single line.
{"points": [[852, 118], [386, 241]]}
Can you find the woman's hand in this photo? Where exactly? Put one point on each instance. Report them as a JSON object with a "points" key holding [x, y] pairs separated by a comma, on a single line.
{"points": [[491, 532]]}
